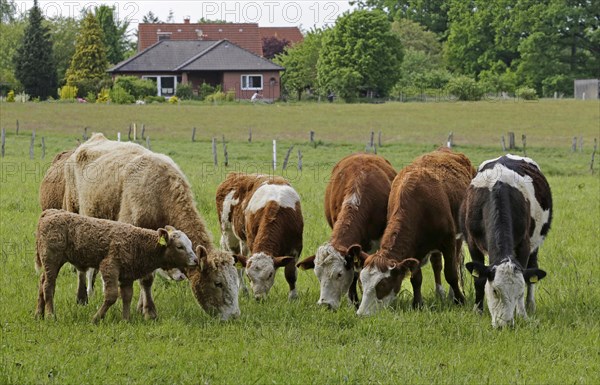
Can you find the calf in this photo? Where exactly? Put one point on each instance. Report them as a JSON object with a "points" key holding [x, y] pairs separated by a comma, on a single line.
{"points": [[261, 221], [506, 214], [122, 253], [422, 219]]}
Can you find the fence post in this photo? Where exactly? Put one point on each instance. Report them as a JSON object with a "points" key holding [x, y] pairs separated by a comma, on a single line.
{"points": [[511, 140], [503, 144], [299, 160], [450, 141], [524, 140], [225, 155], [249, 134], [85, 135], [118, 136], [143, 131], [31, 144], [287, 156], [372, 141], [17, 127], [593, 155], [214, 151], [274, 154], [379, 139], [129, 133], [43, 148], [574, 144], [148, 143], [194, 134], [134, 132], [312, 138], [3, 140]]}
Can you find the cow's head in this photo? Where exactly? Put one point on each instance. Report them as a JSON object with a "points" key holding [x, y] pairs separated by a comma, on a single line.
{"points": [[381, 279], [505, 288], [215, 283], [335, 271], [260, 269], [178, 251]]}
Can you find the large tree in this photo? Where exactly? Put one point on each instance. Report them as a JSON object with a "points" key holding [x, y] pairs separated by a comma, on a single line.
{"points": [[300, 62], [272, 46], [34, 65], [89, 63], [114, 32], [64, 32], [11, 35], [360, 55]]}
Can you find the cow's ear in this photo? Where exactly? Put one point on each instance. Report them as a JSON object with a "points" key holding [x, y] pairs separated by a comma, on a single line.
{"points": [[201, 252], [533, 275], [282, 261], [240, 260], [307, 263], [478, 269], [406, 266], [357, 256], [163, 237]]}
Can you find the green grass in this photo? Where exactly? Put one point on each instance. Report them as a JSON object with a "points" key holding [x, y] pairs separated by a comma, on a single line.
{"points": [[298, 343]]}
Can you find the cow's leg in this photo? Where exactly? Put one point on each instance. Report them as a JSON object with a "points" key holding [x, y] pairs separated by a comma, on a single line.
{"points": [[531, 264], [291, 275], [41, 304], [478, 283], [51, 273], [126, 295], [82, 297], [416, 280], [149, 306], [437, 265], [244, 251], [91, 280], [451, 271], [352, 292], [110, 276]]}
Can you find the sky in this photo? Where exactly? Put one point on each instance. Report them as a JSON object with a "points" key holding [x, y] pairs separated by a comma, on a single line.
{"points": [[280, 13]]}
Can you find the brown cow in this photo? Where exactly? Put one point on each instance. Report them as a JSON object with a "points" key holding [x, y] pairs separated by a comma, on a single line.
{"points": [[423, 217], [261, 221]]}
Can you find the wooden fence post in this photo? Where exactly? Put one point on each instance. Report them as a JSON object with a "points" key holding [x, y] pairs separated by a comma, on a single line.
{"points": [[503, 144], [129, 133], [274, 154], [524, 140], [118, 136], [17, 127], [194, 134], [287, 156], [143, 131], [148, 143], [372, 141], [3, 140], [249, 134], [134, 132], [85, 134], [593, 155], [312, 138], [214, 151], [225, 154], [43, 148], [574, 144], [511, 140], [299, 160], [450, 141], [31, 144]]}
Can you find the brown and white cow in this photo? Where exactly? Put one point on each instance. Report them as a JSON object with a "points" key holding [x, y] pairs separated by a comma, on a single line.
{"points": [[506, 214], [356, 200], [422, 218], [261, 221]]}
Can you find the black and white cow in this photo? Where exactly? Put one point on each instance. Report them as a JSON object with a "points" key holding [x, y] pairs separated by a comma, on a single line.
{"points": [[506, 214]]}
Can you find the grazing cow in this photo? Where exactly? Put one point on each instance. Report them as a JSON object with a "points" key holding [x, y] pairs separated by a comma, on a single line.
{"points": [[261, 221], [506, 214], [356, 200], [422, 219], [126, 182]]}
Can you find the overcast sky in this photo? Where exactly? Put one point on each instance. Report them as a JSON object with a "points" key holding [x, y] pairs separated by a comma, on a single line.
{"points": [[281, 13]]}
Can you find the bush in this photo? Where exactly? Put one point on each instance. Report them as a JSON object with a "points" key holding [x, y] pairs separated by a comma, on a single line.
{"points": [[173, 100], [85, 86], [154, 99], [526, 93], [103, 96], [68, 93], [120, 95], [465, 88], [184, 92], [10, 97], [218, 96], [90, 97], [205, 90], [230, 96], [138, 88]]}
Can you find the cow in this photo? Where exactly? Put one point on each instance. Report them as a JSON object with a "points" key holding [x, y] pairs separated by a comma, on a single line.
{"points": [[506, 214], [422, 218], [261, 223], [355, 208]]}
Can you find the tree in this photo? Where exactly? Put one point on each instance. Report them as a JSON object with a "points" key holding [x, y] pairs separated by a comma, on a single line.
{"points": [[11, 34], [171, 16], [64, 31], [34, 65], [89, 63], [150, 18], [360, 55], [8, 11], [115, 34], [300, 62], [272, 46]]}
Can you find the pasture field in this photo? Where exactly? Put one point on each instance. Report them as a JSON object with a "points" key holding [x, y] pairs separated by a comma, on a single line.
{"points": [[281, 342]]}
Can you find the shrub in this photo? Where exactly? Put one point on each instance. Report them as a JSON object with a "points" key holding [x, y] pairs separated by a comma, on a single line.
{"points": [[184, 92], [103, 96], [154, 99], [120, 95], [90, 97], [68, 93], [218, 96], [465, 88], [230, 96], [173, 100], [205, 90], [10, 97], [526, 93], [138, 88]]}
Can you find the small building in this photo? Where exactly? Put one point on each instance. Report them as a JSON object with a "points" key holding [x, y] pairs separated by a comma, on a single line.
{"points": [[173, 62], [587, 89]]}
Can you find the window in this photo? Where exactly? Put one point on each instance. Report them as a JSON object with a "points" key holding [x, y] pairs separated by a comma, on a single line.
{"points": [[165, 85], [252, 82], [164, 36]]}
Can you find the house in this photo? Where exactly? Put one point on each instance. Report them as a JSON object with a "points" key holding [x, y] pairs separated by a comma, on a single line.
{"points": [[245, 35], [215, 62]]}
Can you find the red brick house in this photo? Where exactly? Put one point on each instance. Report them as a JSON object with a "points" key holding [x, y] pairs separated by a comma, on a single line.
{"points": [[170, 62]]}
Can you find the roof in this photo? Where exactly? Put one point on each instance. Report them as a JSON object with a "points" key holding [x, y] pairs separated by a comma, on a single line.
{"points": [[245, 35], [195, 55], [291, 34]]}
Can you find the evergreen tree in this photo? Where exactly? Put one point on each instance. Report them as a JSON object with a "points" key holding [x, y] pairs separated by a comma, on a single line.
{"points": [[89, 63], [115, 33], [34, 65]]}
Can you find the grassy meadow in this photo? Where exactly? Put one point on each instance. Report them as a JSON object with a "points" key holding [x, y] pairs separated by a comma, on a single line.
{"points": [[281, 342]]}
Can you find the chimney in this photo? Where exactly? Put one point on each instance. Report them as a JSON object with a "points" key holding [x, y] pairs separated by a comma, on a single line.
{"points": [[186, 20]]}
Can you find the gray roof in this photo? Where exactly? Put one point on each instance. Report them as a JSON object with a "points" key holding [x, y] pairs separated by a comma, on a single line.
{"points": [[195, 55]]}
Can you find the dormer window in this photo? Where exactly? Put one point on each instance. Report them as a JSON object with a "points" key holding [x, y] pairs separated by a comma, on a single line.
{"points": [[164, 36]]}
